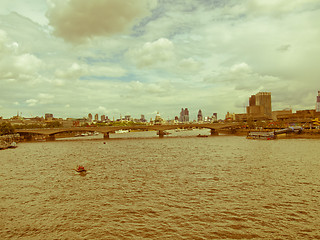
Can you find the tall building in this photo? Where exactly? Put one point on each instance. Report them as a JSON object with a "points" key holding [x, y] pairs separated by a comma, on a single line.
{"points": [[181, 115], [90, 117], [260, 105], [200, 116], [96, 117], [318, 102], [186, 115], [103, 118]]}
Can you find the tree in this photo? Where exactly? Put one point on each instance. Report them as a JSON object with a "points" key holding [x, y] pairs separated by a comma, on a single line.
{"points": [[6, 128]]}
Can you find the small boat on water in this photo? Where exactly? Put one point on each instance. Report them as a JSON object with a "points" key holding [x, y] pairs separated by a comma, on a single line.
{"points": [[80, 169], [202, 135]]}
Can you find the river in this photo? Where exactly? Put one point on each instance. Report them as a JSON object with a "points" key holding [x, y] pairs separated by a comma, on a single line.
{"points": [[220, 187]]}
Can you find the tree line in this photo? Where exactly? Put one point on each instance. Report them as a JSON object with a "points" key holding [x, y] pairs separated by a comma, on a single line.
{"points": [[6, 128]]}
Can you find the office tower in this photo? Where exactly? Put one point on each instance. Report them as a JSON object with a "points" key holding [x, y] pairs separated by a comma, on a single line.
{"points": [[260, 105], [103, 118], [318, 102], [200, 116], [181, 115], [90, 117], [186, 115], [96, 117]]}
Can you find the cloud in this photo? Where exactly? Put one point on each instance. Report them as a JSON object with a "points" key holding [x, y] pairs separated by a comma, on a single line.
{"points": [[76, 71], [242, 77], [14, 64], [45, 98], [78, 20], [188, 64], [31, 102], [159, 53], [278, 7]]}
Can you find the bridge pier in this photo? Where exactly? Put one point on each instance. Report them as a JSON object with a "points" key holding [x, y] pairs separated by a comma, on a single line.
{"points": [[214, 132], [106, 135], [28, 137], [161, 133], [51, 137]]}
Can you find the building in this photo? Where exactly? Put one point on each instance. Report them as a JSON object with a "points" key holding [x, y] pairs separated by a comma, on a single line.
{"points": [[142, 118], [215, 117], [127, 118], [158, 119], [103, 118], [318, 102], [184, 115], [275, 114], [90, 117], [200, 117], [230, 117], [260, 106], [301, 116], [96, 117], [48, 116]]}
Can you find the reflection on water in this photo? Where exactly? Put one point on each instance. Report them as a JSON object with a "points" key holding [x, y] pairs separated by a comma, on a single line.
{"points": [[222, 187]]}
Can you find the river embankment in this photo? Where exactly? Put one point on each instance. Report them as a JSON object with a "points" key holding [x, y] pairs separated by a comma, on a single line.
{"points": [[7, 141], [305, 134]]}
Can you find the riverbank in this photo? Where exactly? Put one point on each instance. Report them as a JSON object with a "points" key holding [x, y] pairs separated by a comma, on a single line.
{"points": [[305, 134], [8, 141]]}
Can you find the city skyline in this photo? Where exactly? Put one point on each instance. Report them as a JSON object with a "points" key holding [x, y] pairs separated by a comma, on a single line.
{"points": [[156, 56]]}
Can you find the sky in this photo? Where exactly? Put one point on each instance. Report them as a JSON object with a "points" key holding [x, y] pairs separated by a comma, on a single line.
{"points": [[133, 57]]}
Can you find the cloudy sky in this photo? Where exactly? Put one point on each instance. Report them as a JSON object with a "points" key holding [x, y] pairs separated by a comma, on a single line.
{"points": [[133, 57]]}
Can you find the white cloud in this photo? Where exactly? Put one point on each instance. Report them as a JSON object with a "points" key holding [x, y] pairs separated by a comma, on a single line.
{"points": [[159, 53], [31, 102]]}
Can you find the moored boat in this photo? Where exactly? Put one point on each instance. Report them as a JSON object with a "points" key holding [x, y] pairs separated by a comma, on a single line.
{"points": [[261, 135]]}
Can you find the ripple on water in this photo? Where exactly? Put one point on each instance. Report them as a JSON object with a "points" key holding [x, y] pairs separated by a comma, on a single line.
{"points": [[171, 188]]}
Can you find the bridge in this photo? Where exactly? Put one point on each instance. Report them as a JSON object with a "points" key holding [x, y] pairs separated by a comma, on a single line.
{"points": [[50, 133]]}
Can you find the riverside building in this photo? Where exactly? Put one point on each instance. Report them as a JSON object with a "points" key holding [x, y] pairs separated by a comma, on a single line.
{"points": [[260, 106]]}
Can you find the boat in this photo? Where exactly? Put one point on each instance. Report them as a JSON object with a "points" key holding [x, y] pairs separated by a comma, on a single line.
{"points": [[202, 135], [80, 169], [122, 131], [261, 135], [13, 145]]}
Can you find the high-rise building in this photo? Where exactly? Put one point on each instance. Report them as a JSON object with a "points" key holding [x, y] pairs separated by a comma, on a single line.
{"points": [[90, 117], [186, 115], [318, 102], [200, 116], [260, 105], [96, 117], [103, 118], [181, 115]]}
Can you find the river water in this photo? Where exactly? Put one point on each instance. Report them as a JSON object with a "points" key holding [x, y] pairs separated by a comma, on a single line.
{"points": [[224, 187]]}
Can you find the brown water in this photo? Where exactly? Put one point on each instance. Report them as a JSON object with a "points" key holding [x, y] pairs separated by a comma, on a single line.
{"points": [[222, 187]]}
